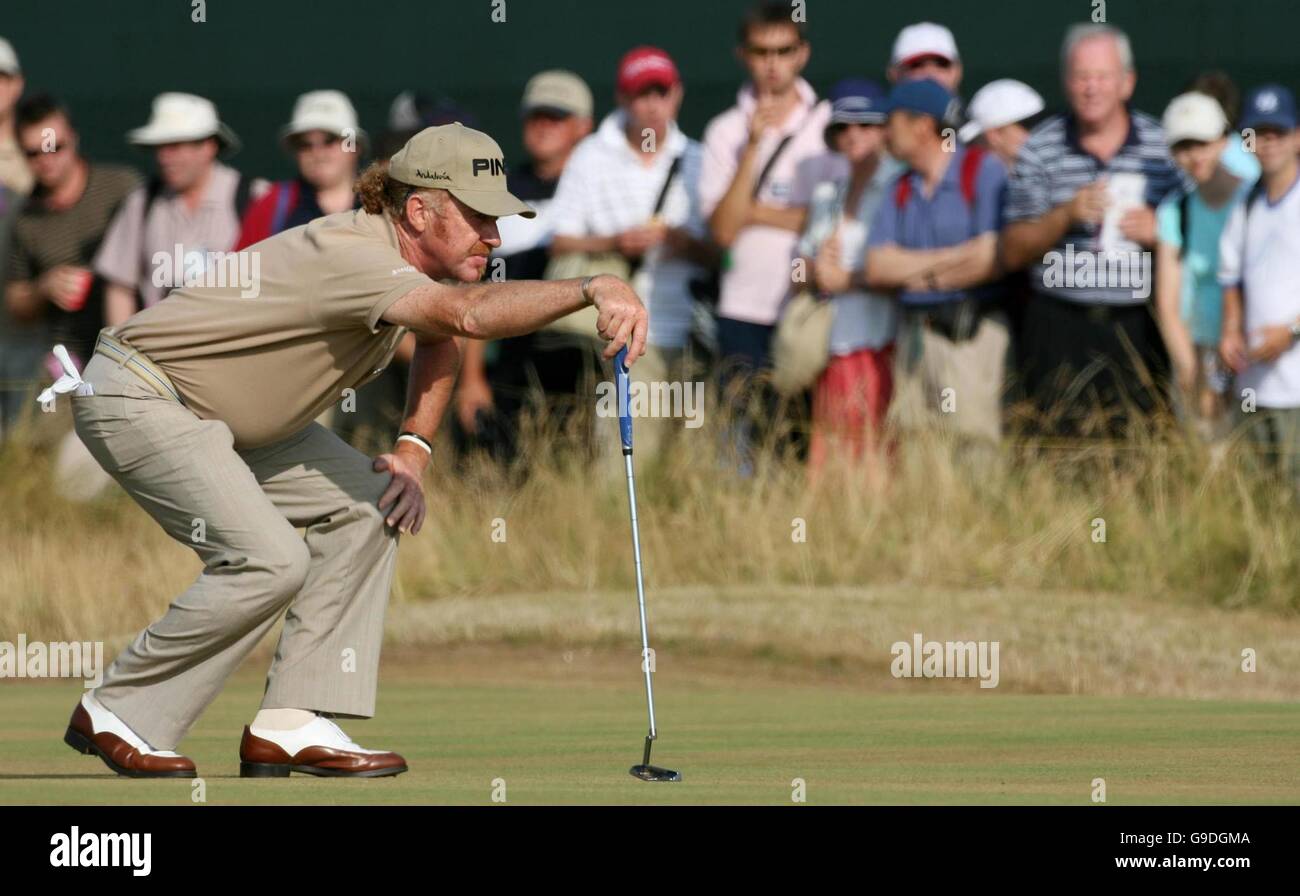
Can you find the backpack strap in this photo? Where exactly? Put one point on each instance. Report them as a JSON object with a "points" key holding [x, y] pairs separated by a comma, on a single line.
{"points": [[1184, 221], [771, 161], [286, 199], [242, 189], [903, 190], [970, 170]]}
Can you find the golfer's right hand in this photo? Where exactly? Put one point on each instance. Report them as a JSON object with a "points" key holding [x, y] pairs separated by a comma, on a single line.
{"points": [[620, 317]]}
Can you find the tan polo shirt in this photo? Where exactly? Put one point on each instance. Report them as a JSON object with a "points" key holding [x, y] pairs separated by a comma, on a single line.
{"points": [[126, 257], [268, 364]]}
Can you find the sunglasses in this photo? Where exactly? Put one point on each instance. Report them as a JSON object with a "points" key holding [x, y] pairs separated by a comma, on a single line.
{"points": [[771, 52], [302, 144], [928, 61]]}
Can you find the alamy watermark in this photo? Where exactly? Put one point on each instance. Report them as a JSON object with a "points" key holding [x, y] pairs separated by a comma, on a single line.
{"points": [[946, 659], [53, 659], [1109, 269], [658, 398], [178, 268]]}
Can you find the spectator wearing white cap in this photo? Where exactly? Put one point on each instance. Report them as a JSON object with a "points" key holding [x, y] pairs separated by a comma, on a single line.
{"points": [[326, 145], [926, 50], [1189, 299], [14, 174], [194, 202], [1001, 113]]}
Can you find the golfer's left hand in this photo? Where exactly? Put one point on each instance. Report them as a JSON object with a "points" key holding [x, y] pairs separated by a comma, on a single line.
{"points": [[403, 500], [621, 318]]}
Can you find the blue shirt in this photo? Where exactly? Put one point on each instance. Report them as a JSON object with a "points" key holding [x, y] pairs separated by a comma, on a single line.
{"points": [[944, 219]]}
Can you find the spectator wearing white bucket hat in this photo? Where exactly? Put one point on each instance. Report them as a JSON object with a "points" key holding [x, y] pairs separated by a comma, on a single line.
{"points": [[1002, 113], [327, 145], [191, 207]]}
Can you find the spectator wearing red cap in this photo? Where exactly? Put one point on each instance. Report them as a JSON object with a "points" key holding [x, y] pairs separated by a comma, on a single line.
{"points": [[752, 153], [632, 188]]}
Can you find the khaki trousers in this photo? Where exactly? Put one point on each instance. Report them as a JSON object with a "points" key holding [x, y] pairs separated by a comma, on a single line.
{"points": [[239, 511], [956, 386]]}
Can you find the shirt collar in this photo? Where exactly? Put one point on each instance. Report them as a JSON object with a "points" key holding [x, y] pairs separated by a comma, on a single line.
{"points": [[612, 133], [1131, 138]]}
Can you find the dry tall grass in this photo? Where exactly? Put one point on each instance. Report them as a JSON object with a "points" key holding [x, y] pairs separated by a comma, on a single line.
{"points": [[1181, 524]]}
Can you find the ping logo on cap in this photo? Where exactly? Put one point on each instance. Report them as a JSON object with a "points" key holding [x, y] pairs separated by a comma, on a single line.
{"points": [[491, 166]]}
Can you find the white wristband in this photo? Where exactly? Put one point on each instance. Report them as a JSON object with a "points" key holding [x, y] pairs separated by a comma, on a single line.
{"points": [[416, 440]]}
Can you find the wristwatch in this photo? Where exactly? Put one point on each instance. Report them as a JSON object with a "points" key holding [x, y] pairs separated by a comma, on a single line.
{"points": [[1295, 330], [586, 289]]}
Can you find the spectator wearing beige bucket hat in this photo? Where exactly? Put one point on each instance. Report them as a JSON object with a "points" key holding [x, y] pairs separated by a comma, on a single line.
{"points": [[189, 208], [326, 145]]}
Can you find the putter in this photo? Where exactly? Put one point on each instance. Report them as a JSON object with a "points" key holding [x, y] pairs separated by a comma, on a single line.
{"points": [[645, 771]]}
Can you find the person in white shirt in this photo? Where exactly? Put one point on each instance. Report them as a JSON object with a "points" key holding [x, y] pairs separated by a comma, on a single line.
{"points": [[632, 188], [1259, 269]]}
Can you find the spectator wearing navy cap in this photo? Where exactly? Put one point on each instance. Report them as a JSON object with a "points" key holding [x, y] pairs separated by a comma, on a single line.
{"points": [[842, 188], [1259, 268], [933, 242]]}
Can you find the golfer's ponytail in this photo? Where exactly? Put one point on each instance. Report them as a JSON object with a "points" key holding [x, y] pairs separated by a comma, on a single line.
{"points": [[378, 193]]}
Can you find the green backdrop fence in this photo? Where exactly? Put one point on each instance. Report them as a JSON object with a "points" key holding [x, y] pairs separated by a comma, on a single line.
{"points": [[252, 58]]}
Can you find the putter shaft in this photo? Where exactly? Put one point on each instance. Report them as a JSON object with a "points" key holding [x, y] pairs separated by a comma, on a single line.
{"points": [[640, 599]]}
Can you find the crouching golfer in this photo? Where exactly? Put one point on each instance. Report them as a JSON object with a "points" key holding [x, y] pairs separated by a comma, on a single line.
{"points": [[202, 408]]}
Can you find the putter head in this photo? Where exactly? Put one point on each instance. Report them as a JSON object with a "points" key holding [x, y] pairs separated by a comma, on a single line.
{"points": [[654, 773]]}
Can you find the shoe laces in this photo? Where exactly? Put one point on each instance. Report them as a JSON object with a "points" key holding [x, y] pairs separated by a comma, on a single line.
{"points": [[339, 731]]}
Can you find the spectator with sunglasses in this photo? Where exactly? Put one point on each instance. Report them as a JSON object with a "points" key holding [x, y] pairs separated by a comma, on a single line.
{"points": [[751, 155], [49, 268], [326, 145]]}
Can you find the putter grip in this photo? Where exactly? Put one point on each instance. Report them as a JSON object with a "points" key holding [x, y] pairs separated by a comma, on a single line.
{"points": [[623, 395]]}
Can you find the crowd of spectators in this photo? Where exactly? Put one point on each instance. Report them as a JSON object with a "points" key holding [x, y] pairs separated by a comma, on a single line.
{"points": [[966, 267]]}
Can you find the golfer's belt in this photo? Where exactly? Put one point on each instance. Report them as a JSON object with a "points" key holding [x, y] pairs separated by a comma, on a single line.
{"points": [[130, 358]]}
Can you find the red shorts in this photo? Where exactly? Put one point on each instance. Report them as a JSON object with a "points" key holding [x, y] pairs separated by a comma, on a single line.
{"points": [[849, 403]]}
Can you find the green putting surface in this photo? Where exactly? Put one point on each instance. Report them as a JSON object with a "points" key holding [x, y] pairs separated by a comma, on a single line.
{"points": [[550, 730]]}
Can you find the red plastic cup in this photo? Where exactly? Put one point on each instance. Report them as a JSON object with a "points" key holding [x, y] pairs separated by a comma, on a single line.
{"points": [[83, 291]]}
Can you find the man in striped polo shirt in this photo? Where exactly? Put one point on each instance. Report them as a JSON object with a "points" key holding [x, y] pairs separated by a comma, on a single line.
{"points": [[1081, 216]]}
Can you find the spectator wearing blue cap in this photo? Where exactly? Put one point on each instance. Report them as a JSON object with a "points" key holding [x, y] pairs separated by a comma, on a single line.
{"points": [[841, 189], [1259, 268], [933, 242]]}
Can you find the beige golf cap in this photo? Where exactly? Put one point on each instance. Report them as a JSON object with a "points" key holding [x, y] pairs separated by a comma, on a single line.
{"points": [[1194, 116], [323, 110], [466, 163], [181, 117], [557, 90], [8, 59]]}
